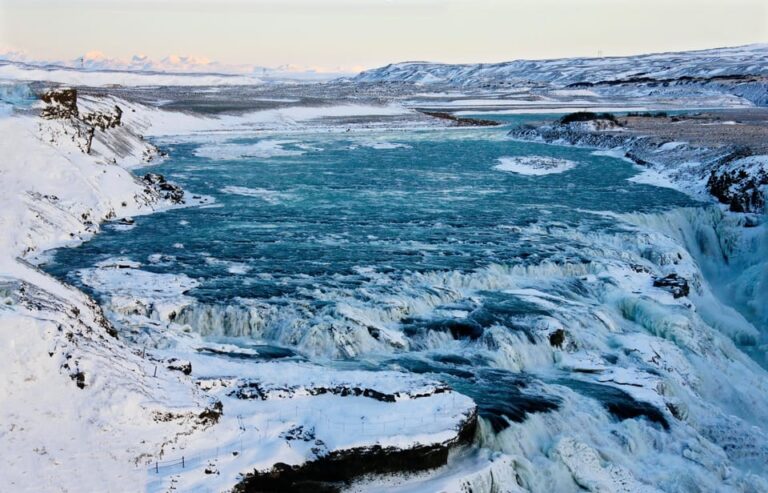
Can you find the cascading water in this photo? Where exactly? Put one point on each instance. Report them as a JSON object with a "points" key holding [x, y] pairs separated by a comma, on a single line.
{"points": [[545, 298]]}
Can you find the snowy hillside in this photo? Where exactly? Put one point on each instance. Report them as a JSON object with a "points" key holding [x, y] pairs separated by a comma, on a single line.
{"points": [[706, 64]]}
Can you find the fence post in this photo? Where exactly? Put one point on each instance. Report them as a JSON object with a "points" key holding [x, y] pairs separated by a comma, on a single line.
{"points": [[155, 371], [157, 471], [182, 462]]}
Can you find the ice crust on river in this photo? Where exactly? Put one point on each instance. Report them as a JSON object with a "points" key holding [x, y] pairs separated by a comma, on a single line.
{"points": [[263, 149]]}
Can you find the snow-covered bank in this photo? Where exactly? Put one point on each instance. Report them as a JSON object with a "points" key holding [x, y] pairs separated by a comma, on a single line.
{"points": [[79, 406], [55, 192], [85, 407]]}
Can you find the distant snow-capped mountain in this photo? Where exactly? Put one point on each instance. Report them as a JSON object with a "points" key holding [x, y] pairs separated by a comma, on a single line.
{"points": [[739, 61], [142, 66]]}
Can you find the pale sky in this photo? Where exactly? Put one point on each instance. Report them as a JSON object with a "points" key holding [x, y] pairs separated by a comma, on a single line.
{"points": [[354, 34]]}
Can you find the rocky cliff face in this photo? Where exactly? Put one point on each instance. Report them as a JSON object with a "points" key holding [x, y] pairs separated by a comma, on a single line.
{"points": [[96, 129], [741, 182]]}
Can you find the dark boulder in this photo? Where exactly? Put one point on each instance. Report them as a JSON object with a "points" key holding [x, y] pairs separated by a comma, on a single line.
{"points": [[183, 366], [673, 283], [167, 190], [557, 338]]}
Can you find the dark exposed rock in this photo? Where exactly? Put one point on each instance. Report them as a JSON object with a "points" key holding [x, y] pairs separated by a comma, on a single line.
{"points": [[255, 390], [617, 402], [374, 332], [334, 470], [79, 378], [299, 433], [462, 121], [211, 415], [249, 391], [167, 190], [640, 268], [557, 338], [183, 366], [587, 116], [740, 189], [61, 104], [673, 283], [104, 120]]}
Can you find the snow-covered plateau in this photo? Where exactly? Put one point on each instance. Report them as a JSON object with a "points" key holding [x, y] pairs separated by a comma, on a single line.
{"points": [[314, 288]]}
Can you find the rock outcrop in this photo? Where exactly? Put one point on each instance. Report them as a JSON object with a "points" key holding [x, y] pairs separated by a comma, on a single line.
{"points": [[673, 283], [168, 191], [741, 182], [98, 129], [61, 103]]}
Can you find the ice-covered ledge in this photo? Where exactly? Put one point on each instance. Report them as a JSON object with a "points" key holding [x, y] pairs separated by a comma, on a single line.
{"points": [[289, 425]]}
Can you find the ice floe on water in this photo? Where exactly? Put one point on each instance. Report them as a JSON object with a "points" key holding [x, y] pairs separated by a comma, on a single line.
{"points": [[263, 149], [382, 144], [269, 196], [138, 292], [534, 165], [231, 267]]}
